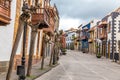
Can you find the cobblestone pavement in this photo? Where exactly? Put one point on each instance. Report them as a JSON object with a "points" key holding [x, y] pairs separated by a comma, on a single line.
{"points": [[78, 66]]}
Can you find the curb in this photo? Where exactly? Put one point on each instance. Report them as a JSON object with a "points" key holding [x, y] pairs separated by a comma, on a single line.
{"points": [[49, 68], [42, 73]]}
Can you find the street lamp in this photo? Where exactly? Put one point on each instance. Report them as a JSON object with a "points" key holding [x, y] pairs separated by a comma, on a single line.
{"points": [[21, 68], [39, 19], [25, 15]]}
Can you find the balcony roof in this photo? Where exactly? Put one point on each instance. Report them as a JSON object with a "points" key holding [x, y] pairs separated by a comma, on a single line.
{"points": [[102, 24], [91, 29]]}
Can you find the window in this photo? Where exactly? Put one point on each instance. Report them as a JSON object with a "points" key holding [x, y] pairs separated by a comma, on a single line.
{"points": [[119, 27], [109, 27], [100, 30]]}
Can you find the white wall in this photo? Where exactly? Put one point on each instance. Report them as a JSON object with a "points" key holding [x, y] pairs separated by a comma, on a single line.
{"points": [[94, 23], [35, 47], [6, 35], [70, 37], [117, 33], [109, 34]]}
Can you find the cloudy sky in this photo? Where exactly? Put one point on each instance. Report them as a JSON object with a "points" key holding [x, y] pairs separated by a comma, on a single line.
{"points": [[74, 12]]}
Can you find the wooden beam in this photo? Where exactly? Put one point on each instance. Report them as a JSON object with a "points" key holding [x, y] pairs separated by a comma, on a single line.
{"points": [[31, 52], [15, 46]]}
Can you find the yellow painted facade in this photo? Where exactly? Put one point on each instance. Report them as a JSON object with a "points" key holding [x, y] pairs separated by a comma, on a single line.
{"points": [[91, 40]]}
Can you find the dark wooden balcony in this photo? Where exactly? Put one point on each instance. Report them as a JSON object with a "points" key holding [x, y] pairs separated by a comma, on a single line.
{"points": [[102, 36], [103, 25], [5, 12], [78, 39], [84, 37], [90, 40], [41, 17]]}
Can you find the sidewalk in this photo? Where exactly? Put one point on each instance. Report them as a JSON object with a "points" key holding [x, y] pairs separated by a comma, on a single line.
{"points": [[36, 71]]}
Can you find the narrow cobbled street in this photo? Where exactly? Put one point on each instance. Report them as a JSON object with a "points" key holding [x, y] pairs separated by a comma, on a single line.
{"points": [[78, 66]]}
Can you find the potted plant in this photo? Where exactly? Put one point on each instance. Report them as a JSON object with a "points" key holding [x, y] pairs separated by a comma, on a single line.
{"points": [[98, 55], [63, 51], [97, 46]]}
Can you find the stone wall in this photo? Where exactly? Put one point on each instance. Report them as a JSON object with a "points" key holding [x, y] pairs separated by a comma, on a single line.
{"points": [[3, 66]]}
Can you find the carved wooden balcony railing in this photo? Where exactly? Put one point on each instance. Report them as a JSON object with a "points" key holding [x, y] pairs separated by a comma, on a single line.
{"points": [[5, 11], [90, 40], [84, 37], [102, 36], [78, 38], [41, 17]]}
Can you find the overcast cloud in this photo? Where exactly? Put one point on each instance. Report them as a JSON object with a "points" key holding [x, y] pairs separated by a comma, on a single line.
{"points": [[75, 12]]}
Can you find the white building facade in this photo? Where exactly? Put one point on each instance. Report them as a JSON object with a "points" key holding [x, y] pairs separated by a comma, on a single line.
{"points": [[69, 39], [6, 39], [113, 31]]}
